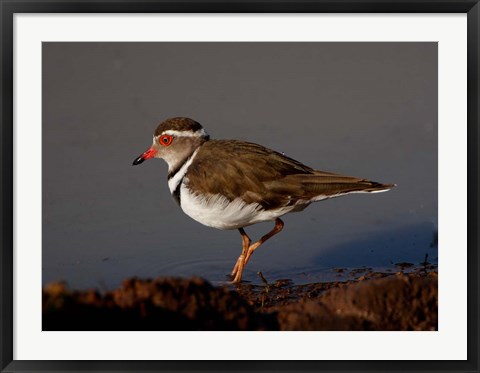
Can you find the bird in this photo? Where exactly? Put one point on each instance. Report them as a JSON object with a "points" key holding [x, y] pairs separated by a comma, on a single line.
{"points": [[232, 184]]}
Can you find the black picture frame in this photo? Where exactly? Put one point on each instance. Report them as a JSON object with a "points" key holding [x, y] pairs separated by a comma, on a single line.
{"points": [[9, 8]]}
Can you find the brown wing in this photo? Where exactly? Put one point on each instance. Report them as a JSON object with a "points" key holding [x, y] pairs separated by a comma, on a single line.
{"points": [[261, 175], [322, 184]]}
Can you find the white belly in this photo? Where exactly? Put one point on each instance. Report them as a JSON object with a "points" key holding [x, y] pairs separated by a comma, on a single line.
{"points": [[218, 212]]}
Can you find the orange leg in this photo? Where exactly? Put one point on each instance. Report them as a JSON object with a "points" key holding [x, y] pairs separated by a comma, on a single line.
{"points": [[241, 259], [248, 249]]}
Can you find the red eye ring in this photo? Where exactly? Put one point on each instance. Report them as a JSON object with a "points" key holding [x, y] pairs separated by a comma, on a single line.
{"points": [[165, 140]]}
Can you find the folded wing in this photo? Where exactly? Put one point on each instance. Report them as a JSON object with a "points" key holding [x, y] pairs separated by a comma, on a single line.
{"points": [[261, 175]]}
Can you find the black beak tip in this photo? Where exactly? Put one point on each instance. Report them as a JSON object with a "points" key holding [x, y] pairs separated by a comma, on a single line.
{"points": [[137, 161]]}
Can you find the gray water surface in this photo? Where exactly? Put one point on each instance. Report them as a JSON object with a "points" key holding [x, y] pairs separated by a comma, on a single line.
{"points": [[361, 109]]}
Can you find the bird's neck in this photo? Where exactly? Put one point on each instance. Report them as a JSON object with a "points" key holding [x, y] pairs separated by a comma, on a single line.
{"points": [[178, 159]]}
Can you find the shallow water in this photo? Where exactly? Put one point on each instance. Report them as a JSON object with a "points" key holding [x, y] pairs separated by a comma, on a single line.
{"points": [[361, 109]]}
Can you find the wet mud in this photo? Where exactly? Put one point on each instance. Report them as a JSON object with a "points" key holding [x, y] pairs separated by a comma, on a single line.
{"points": [[367, 300]]}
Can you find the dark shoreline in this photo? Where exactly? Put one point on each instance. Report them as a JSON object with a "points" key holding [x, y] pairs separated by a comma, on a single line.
{"points": [[406, 300]]}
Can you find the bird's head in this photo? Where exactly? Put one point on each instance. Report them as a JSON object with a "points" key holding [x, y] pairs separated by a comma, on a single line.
{"points": [[175, 140]]}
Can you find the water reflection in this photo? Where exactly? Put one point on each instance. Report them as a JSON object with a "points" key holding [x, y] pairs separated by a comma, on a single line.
{"points": [[363, 109]]}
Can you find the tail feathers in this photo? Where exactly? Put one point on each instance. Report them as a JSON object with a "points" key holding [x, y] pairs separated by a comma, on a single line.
{"points": [[326, 189], [378, 187], [325, 185], [316, 187]]}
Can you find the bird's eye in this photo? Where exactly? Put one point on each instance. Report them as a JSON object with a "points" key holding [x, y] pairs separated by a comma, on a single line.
{"points": [[166, 140]]}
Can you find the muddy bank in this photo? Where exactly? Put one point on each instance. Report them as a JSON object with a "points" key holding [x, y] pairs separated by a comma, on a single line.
{"points": [[402, 302], [372, 301]]}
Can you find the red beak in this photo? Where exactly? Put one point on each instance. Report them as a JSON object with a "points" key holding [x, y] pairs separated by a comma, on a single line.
{"points": [[150, 153]]}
